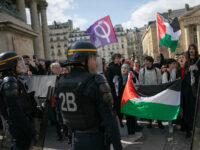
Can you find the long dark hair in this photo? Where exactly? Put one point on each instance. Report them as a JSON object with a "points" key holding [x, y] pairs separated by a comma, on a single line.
{"points": [[196, 51], [186, 67]]}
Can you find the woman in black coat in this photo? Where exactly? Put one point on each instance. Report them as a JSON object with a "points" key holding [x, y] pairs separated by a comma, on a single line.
{"points": [[188, 95]]}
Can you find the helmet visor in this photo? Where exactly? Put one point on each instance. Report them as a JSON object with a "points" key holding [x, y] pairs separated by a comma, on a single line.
{"points": [[21, 67], [95, 64]]}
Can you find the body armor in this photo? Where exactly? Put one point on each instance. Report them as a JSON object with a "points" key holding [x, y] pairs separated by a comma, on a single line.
{"points": [[79, 112], [15, 99]]}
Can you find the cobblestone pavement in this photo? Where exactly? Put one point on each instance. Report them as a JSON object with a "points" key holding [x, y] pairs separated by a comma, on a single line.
{"points": [[149, 139]]}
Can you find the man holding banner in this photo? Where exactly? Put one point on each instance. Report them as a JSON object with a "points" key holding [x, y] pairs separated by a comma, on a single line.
{"points": [[150, 75]]}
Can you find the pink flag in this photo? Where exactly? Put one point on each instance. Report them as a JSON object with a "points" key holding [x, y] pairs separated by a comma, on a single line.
{"points": [[102, 32]]}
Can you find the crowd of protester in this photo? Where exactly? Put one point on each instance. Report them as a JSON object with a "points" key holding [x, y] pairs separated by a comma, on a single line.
{"points": [[183, 66]]}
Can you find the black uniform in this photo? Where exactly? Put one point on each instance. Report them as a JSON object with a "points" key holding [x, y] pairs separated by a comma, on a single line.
{"points": [[85, 102], [16, 105], [17, 111]]}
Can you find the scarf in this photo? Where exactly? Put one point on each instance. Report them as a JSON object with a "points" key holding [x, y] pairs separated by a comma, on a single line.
{"points": [[125, 76]]}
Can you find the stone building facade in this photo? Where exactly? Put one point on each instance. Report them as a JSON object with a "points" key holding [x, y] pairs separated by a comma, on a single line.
{"points": [[58, 36], [134, 42], [149, 40], [17, 35], [189, 20], [77, 35], [120, 47], [106, 51]]}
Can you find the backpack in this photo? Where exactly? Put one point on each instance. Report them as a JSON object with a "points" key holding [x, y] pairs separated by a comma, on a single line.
{"points": [[168, 75], [144, 73]]}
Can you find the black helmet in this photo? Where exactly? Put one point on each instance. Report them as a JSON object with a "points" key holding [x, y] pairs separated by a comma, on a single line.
{"points": [[8, 60], [79, 52]]}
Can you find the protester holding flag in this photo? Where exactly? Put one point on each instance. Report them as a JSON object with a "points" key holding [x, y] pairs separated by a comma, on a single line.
{"points": [[189, 87], [113, 75], [186, 115], [131, 121], [149, 101], [168, 76], [194, 66], [150, 75]]}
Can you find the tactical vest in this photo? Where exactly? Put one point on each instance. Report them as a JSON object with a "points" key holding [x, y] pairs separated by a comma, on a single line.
{"points": [[79, 112], [2, 104], [24, 100], [27, 102]]}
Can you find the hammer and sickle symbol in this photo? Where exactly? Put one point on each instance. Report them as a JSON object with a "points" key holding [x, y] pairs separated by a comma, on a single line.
{"points": [[105, 34]]}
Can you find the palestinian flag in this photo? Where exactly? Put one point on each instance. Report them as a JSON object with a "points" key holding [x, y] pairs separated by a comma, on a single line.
{"points": [[157, 102], [168, 31]]}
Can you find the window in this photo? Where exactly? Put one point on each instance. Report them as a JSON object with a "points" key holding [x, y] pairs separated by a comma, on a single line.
{"points": [[194, 29], [108, 47], [58, 46], [122, 45], [51, 40], [59, 53], [52, 53], [113, 47], [66, 51], [52, 46], [111, 53], [195, 39], [58, 38], [122, 40], [65, 38], [65, 45]]}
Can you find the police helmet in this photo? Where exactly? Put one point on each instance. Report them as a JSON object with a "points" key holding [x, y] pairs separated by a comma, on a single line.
{"points": [[79, 52], [8, 60]]}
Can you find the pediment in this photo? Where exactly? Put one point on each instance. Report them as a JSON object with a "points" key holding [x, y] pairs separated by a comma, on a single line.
{"points": [[195, 12]]}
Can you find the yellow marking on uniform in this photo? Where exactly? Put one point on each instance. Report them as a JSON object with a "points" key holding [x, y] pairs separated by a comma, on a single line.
{"points": [[3, 63], [83, 50], [69, 53], [8, 59]]}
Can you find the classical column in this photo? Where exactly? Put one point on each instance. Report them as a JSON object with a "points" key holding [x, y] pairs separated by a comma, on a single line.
{"points": [[198, 36], [187, 37], [43, 5], [36, 27], [21, 8]]}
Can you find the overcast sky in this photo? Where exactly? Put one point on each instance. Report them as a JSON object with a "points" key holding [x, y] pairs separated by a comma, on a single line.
{"points": [[129, 13]]}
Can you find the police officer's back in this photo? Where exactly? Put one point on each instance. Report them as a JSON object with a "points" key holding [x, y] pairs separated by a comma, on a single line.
{"points": [[85, 101], [16, 106]]}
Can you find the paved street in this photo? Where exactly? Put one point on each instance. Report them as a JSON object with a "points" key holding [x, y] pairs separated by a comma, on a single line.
{"points": [[149, 139]]}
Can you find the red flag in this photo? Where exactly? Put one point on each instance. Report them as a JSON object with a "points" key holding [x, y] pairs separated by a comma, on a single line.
{"points": [[129, 91]]}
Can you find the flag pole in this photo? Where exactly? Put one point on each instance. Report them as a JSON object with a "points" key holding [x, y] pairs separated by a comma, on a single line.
{"points": [[157, 33]]}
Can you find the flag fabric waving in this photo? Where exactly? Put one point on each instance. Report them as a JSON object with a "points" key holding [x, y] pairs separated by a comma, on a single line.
{"points": [[157, 102], [102, 32], [168, 31]]}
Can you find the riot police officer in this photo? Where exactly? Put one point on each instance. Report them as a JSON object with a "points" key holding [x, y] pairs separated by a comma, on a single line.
{"points": [[16, 105], [85, 101]]}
